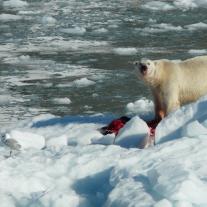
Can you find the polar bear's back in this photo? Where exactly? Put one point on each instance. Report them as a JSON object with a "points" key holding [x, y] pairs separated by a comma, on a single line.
{"points": [[193, 81]]}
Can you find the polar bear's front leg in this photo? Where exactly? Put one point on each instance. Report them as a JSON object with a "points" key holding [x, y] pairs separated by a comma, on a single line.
{"points": [[158, 106], [170, 104]]}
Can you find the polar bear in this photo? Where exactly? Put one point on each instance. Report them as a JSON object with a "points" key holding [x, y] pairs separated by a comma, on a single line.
{"points": [[173, 83]]}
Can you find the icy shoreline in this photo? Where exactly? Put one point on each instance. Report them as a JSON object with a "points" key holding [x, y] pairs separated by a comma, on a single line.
{"points": [[72, 171]]}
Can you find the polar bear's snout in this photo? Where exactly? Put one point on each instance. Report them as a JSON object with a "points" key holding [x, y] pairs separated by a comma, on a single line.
{"points": [[143, 69]]}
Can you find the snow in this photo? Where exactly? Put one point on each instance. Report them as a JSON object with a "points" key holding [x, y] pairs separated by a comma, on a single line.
{"points": [[28, 139], [135, 133], [69, 162], [191, 122]]}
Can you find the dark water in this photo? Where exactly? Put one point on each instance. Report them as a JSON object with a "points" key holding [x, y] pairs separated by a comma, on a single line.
{"points": [[35, 56]]}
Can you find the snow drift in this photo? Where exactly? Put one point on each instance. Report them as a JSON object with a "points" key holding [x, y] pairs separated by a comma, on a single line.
{"points": [[81, 167]]}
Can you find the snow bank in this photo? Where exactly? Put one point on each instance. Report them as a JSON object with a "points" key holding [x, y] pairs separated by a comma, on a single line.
{"points": [[125, 51], [187, 121], [81, 167], [28, 139], [161, 176]]}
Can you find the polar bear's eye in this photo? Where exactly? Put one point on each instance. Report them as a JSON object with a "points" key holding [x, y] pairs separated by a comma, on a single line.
{"points": [[148, 63]]}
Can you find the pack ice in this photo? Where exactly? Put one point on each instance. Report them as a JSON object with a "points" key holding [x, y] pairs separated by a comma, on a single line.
{"points": [[78, 166]]}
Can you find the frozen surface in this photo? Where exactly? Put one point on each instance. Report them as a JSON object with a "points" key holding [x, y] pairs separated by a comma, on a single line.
{"points": [[81, 167], [134, 134], [187, 121]]}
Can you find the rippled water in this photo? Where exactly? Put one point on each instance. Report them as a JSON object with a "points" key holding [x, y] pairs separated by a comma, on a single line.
{"points": [[40, 62]]}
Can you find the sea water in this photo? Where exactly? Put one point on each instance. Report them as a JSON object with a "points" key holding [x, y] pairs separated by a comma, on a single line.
{"points": [[76, 57]]}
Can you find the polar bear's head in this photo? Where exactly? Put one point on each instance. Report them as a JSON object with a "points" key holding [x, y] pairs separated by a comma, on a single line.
{"points": [[145, 69]]}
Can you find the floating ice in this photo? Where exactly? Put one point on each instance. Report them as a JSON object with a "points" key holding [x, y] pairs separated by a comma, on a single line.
{"points": [[97, 77], [45, 85], [61, 85], [9, 17], [196, 26], [48, 20], [157, 5], [4, 101], [125, 51], [186, 4], [83, 82], [158, 28], [14, 4], [94, 95], [75, 30], [178, 4], [26, 60], [192, 51], [102, 30], [141, 106], [60, 100], [167, 26]]}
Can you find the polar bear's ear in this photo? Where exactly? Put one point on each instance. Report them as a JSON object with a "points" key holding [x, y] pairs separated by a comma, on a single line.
{"points": [[136, 63]]}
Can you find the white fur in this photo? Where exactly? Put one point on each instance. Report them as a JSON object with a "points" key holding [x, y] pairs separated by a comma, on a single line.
{"points": [[173, 83]]}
